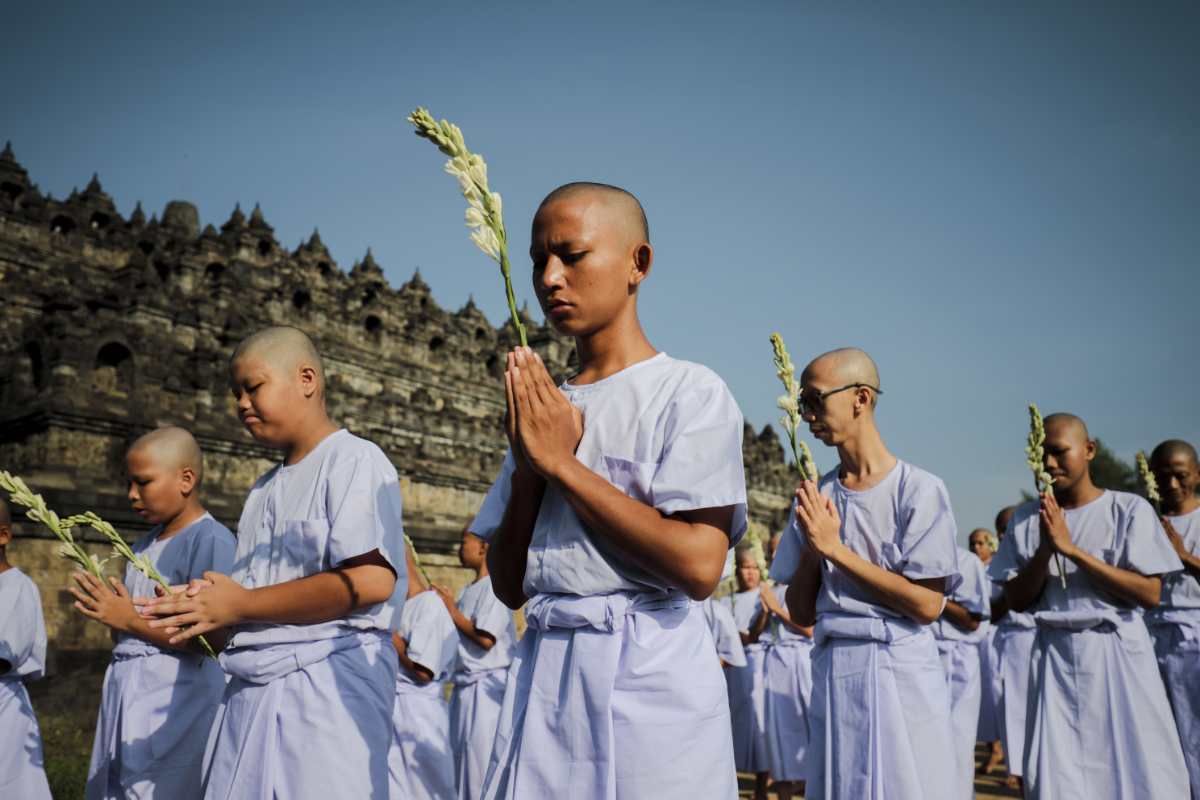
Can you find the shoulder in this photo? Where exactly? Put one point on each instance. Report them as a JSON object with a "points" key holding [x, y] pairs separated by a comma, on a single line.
{"points": [[209, 529], [688, 378], [1130, 505], [349, 450], [25, 585], [913, 482], [828, 481]]}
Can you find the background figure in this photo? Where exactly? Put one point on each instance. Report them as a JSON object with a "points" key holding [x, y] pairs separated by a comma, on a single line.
{"points": [[726, 637], [983, 544], [1175, 622], [22, 658], [747, 691], [1015, 632]]}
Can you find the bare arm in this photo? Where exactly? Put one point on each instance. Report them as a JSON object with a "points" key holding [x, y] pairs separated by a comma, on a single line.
{"points": [[802, 591], [960, 617], [112, 606], [781, 613], [509, 547], [1132, 587], [419, 673], [1191, 561], [464, 624]]}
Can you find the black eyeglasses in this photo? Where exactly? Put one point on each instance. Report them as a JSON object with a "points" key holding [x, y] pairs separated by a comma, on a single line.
{"points": [[813, 402]]}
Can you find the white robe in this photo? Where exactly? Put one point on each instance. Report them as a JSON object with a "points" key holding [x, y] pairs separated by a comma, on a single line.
{"points": [[155, 700], [880, 713], [307, 712], [724, 632], [1175, 627], [421, 759], [788, 689], [479, 679], [614, 678], [1098, 725], [990, 708], [1014, 647], [23, 646], [747, 689], [959, 650]]}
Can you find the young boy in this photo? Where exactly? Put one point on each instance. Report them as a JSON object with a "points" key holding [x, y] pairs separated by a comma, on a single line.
{"points": [[157, 696], [959, 632], [620, 495], [1099, 725], [22, 658], [747, 692], [486, 639], [788, 689], [983, 544], [317, 580], [1175, 622], [421, 759], [870, 555], [1015, 632]]}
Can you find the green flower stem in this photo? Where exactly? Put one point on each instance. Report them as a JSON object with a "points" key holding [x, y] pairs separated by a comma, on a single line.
{"points": [[508, 291]]}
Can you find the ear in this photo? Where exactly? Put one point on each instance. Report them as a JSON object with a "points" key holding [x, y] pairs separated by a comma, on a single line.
{"points": [[1090, 450], [5, 535], [862, 399], [187, 480], [643, 259], [308, 380]]}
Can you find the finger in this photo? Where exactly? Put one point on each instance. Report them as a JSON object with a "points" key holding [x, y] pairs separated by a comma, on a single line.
{"points": [[521, 391], [199, 629], [814, 494], [119, 588], [805, 518], [510, 397], [177, 621], [166, 608], [87, 612], [92, 582], [82, 597]]}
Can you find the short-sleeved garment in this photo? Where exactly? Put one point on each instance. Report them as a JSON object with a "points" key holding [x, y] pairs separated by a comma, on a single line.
{"points": [[904, 524], [479, 604], [1182, 589], [1119, 528], [747, 608], [204, 545], [724, 632], [432, 639], [974, 594], [340, 501], [668, 433], [781, 633], [22, 627]]}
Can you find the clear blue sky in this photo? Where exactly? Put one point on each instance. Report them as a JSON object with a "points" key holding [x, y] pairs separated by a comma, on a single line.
{"points": [[998, 201]]}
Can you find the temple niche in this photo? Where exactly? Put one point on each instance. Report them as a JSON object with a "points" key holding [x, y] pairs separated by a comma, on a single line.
{"points": [[115, 325]]}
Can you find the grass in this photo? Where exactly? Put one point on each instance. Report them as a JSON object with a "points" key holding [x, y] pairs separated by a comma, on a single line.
{"points": [[66, 704]]}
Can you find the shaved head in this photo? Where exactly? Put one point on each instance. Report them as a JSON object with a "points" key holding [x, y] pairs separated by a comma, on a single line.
{"points": [[846, 365], [627, 208], [1003, 518], [1067, 423], [283, 347], [1173, 448], [173, 448]]}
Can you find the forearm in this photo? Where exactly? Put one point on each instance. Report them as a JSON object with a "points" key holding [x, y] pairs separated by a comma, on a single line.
{"points": [[417, 672], [785, 617], [1191, 563], [686, 555], [467, 628], [509, 549], [960, 617], [318, 598], [920, 603], [1142, 590], [802, 591], [139, 627], [1023, 590]]}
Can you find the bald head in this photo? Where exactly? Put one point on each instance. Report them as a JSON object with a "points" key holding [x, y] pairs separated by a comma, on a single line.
{"points": [[1172, 449], [623, 208], [283, 347], [1068, 424], [1003, 518], [172, 448]]}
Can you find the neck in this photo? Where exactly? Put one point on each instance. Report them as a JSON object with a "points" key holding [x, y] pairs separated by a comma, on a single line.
{"points": [[865, 456], [4, 565], [481, 571], [612, 349], [1190, 504], [309, 439], [191, 512], [1082, 493]]}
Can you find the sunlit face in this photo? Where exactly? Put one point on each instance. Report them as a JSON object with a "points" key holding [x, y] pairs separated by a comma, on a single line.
{"points": [[471, 551], [156, 491], [1177, 476], [584, 264], [1068, 455], [981, 546], [266, 399], [834, 420], [748, 575]]}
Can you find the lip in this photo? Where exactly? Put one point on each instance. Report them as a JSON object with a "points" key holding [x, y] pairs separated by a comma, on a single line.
{"points": [[141, 512], [250, 418], [558, 307]]}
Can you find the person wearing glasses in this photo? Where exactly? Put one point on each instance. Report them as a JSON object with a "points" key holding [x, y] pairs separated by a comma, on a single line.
{"points": [[870, 556]]}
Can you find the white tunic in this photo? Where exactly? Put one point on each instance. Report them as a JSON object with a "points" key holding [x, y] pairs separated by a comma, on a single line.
{"points": [[880, 713], [724, 632], [615, 676], [479, 680], [788, 688], [1175, 627], [990, 709], [307, 712], [1015, 632], [747, 691], [155, 700], [1098, 724], [23, 648], [421, 760], [959, 650]]}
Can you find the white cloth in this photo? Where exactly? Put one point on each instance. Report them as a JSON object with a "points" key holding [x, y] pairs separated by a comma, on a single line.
{"points": [[23, 647], [880, 714], [667, 433], [1014, 646], [613, 697], [154, 700], [1098, 724], [479, 679], [307, 712], [788, 688], [959, 651], [989, 727], [1175, 627], [724, 632], [421, 759], [747, 689]]}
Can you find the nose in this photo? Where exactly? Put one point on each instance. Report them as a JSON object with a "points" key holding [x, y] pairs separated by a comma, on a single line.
{"points": [[243, 401], [132, 493], [553, 274]]}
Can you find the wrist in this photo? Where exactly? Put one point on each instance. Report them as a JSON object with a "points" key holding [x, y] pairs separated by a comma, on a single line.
{"points": [[560, 470]]}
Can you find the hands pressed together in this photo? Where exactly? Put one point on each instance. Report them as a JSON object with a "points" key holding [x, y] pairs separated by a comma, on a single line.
{"points": [[819, 518], [543, 427], [1053, 525], [107, 603], [201, 606]]}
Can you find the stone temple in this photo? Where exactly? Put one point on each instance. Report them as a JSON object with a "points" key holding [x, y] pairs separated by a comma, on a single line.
{"points": [[113, 326]]}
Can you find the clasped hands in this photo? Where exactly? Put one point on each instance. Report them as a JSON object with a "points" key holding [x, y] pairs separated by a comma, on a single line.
{"points": [[200, 606], [1052, 521], [543, 427], [819, 519]]}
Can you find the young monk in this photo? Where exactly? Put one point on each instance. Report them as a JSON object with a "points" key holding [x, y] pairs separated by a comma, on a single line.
{"points": [[1099, 725], [22, 658], [1175, 622], [486, 639], [961, 629], [307, 712], [983, 544], [156, 695], [788, 690], [747, 692], [421, 760], [869, 556], [620, 495], [1015, 632]]}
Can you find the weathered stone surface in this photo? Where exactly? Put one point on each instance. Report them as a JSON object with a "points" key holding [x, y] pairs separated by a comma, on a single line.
{"points": [[113, 327]]}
